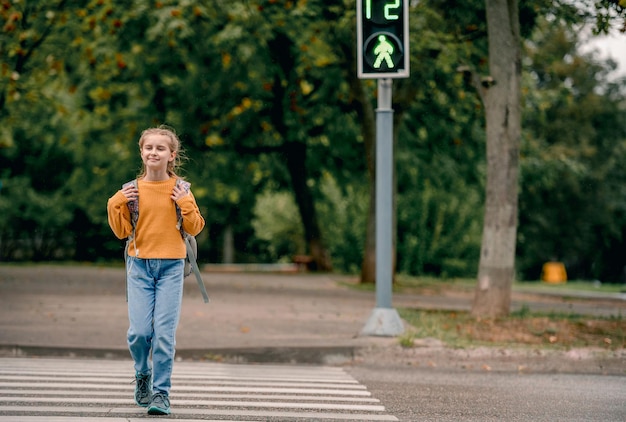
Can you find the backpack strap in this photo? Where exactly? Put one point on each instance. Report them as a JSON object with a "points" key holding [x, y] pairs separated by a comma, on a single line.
{"points": [[133, 207], [179, 215], [194, 267], [191, 254]]}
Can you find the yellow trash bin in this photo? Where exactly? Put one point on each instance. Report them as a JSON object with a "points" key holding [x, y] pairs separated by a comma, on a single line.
{"points": [[554, 272]]}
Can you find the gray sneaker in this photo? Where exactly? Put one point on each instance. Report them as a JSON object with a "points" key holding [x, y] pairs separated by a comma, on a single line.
{"points": [[143, 389], [159, 405]]}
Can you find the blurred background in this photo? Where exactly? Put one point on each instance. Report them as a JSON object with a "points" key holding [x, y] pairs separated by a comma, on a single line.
{"points": [[277, 131]]}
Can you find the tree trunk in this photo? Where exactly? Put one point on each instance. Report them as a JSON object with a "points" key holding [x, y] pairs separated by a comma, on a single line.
{"points": [[228, 246], [368, 267], [295, 154], [296, 163], [501, 96]]}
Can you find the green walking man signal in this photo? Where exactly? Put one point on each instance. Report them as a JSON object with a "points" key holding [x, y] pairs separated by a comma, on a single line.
{"points": [[382, 38], [383, 51]]}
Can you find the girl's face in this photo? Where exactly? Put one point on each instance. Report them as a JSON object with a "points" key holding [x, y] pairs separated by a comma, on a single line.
{"points": [[156, 152]]}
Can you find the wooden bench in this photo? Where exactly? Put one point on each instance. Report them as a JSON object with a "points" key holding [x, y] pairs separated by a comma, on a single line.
{"points": [[303, 262]]}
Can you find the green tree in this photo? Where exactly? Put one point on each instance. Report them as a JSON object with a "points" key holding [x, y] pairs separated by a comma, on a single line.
{"points": [[572, 205], [291, 97], [36, 158]]}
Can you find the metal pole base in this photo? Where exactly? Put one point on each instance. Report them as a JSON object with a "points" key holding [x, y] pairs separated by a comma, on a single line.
{"points": [[383, 322]]}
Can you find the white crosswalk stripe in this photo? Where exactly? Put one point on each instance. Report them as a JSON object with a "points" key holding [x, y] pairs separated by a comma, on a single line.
{"points": [[81, 390]]}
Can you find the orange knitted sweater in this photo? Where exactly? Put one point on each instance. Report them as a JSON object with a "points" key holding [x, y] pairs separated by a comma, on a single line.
{"points": [[156, 235]]}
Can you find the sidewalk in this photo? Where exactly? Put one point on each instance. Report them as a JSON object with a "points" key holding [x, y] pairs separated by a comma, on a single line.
{"points": [[252, 317]]}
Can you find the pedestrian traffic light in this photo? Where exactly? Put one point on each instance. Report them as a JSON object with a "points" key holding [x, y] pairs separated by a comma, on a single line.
{"points": [[383, 38]]}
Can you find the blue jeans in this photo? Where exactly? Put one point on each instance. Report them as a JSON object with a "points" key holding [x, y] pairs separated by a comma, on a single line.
{"points": [[155, 293]]}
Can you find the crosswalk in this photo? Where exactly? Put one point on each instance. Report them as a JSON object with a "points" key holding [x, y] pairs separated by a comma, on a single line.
{"points": [[81, 390]]}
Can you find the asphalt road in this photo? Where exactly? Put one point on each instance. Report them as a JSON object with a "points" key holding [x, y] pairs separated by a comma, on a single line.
{"points": [[433, 394], [44, 390]]}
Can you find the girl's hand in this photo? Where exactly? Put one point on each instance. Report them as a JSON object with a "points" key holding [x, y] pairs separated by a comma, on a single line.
{"points": [[130, 192], [179, 192]]}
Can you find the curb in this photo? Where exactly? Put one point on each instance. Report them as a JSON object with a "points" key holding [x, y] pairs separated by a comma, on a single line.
{"points": [[576, 294], [318, 355]]}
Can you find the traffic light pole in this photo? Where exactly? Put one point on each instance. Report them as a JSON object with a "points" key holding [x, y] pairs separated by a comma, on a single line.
{"points": [[384, 320]]}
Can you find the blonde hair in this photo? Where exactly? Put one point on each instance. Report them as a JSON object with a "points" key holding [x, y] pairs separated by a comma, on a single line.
{"points": [[174, 145]]}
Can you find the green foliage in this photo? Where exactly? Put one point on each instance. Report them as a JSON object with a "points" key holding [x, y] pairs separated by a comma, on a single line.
{"points": [[277, 224], [602, 14], [572, 159], [245, 82], [440, 175], [344, 212], [441, 231], [33, 224]]}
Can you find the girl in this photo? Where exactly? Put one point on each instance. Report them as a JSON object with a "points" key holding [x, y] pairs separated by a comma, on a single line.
{"points": [[155, 262]]}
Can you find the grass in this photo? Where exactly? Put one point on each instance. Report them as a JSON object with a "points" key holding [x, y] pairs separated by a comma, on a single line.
{"points": [[576, 285], [522, 328], [404, 282], [410, 284], [425, 285]]}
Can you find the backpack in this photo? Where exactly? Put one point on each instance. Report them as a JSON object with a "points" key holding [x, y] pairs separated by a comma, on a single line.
{"points": [[191, 244]]}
